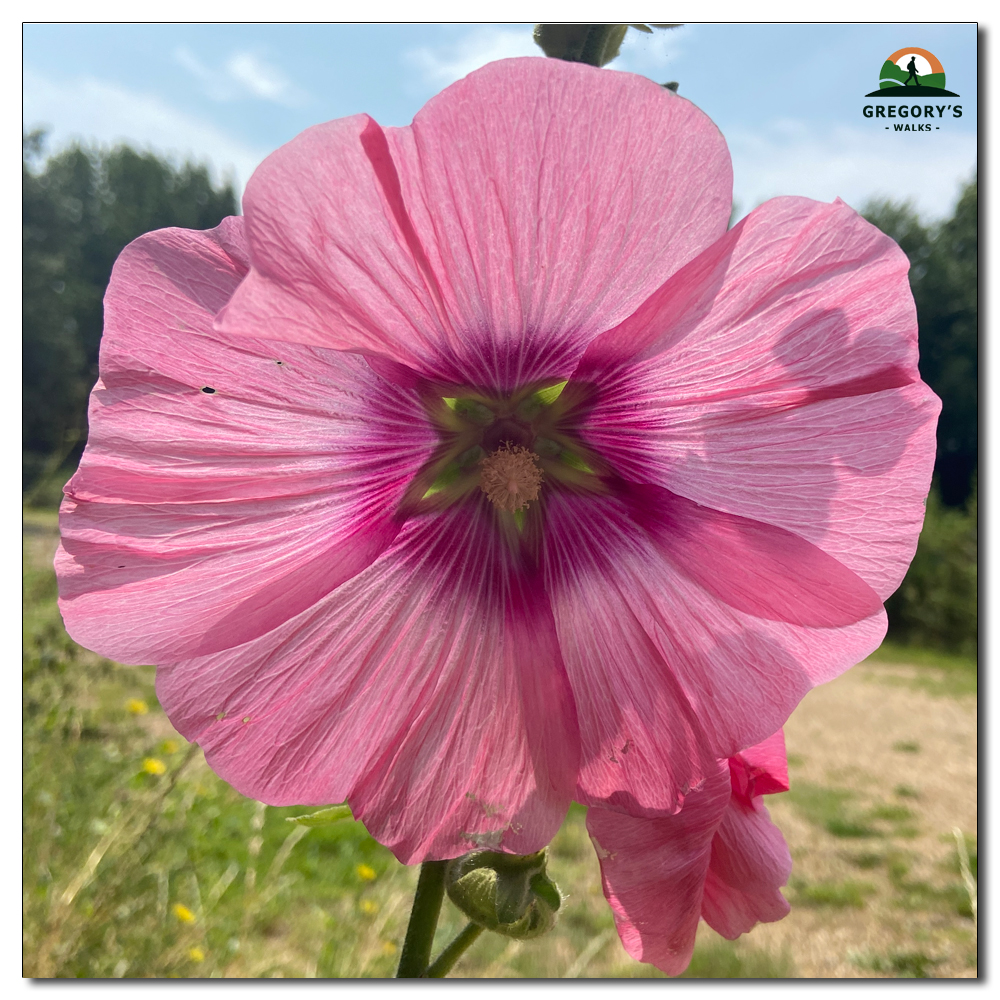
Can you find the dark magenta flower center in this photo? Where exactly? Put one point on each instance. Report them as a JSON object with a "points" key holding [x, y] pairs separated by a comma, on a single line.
{"points": [[511, 447]]}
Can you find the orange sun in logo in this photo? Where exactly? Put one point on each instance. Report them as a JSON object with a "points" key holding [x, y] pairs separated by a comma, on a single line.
{"points": [[933, 62]]}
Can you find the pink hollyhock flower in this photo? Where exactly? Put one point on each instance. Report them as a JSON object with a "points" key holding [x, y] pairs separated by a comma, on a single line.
{"points": [[719, 858], [479, 468]]}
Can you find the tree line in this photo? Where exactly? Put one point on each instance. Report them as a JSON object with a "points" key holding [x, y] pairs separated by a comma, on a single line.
{"points": [[79, 209]]}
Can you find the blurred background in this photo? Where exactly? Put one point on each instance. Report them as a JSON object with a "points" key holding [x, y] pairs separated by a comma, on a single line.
{"points": [[138, 860]]}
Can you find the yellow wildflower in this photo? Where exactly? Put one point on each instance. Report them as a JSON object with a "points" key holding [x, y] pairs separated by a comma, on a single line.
{"points": [[388, 948], [136, 706], [196, 954], [365, 872], [151, 765], [369, 906], [183, 914], [171, 746]]}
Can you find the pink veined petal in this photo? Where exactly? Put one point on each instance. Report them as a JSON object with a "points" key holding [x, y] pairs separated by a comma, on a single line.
{"points": [[753, 566], [199, 520], [653, 872], [643, 746], [800, 296], [550, 232], [666, 667], [775, 378], [749, 864], [760, 769], [491, 240], [427, 691], [335, 261]]}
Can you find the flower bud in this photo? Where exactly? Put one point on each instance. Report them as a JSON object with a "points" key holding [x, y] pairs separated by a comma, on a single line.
{"points": [[506, 893]]}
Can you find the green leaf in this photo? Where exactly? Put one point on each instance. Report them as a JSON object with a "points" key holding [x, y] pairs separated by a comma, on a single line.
{"points": [[331, 814]]}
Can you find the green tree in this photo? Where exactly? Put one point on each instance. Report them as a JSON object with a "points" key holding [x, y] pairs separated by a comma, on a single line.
{"points": [[936, 604], [944, 276], [80, 209]]}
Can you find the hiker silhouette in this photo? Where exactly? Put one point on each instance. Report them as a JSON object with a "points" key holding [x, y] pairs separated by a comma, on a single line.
{"points": [[912, 68]]}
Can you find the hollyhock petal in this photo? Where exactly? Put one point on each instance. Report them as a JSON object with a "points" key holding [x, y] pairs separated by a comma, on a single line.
{"points": [[749, 864], [800, 295], [380, 695], [492, 239], [643, 746], [760, 769], [752, 566], [335, 262], [548, 234], [662, 665], [775, 378], [849, 475], [653, 872], [199, 520]]}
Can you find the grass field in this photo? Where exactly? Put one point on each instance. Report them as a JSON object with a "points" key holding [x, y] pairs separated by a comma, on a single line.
{"points": [[139, 862]]}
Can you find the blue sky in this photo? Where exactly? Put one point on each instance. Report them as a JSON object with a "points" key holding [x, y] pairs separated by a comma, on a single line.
{"points": [[787, 97]]}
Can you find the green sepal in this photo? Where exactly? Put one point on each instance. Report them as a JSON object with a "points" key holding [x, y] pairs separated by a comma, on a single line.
{"points": [[508, 894], [472, 410], [548, 396], [450, 474], [594, 44]]}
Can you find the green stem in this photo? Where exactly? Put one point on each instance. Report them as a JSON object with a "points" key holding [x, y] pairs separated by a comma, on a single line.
{"points": [[416, 955], [445, 962]]}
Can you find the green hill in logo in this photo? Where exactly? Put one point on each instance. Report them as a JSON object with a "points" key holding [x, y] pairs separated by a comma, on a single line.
{"points": [[892, 78]]}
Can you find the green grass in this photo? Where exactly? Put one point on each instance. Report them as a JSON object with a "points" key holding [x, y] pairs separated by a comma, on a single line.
{"points": [[900, 964], [848, 893], [834, 810], [728, 960], [866, 860], [829, 808]]}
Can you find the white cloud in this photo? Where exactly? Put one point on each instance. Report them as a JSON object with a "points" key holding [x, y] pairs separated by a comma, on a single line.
{"points": [[95, 111], [244, 74], [789, 157], [447, 63], [260, 79]]}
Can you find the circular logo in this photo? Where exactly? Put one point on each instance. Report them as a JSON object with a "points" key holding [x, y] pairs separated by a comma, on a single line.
{"points": [[912, 72]]}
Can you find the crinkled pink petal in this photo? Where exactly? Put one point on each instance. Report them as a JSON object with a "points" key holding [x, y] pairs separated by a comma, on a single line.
{"points": [[200, 520], [775, 378], [749, 864], [427, 691], [752, 566], [760, 769], [654, 870], [529, 207], [663, 665], [720, 857], [643, 746]]}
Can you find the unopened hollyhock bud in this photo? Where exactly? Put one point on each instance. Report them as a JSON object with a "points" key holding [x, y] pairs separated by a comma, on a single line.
{"points": [[506, 893]]}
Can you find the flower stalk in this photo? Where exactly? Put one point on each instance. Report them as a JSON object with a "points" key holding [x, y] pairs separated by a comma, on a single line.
{"points": [[416, 954], [445, 962]]}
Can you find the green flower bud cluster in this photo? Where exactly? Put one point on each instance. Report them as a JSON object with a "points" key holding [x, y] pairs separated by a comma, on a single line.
{"points": [[509, 894]]}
